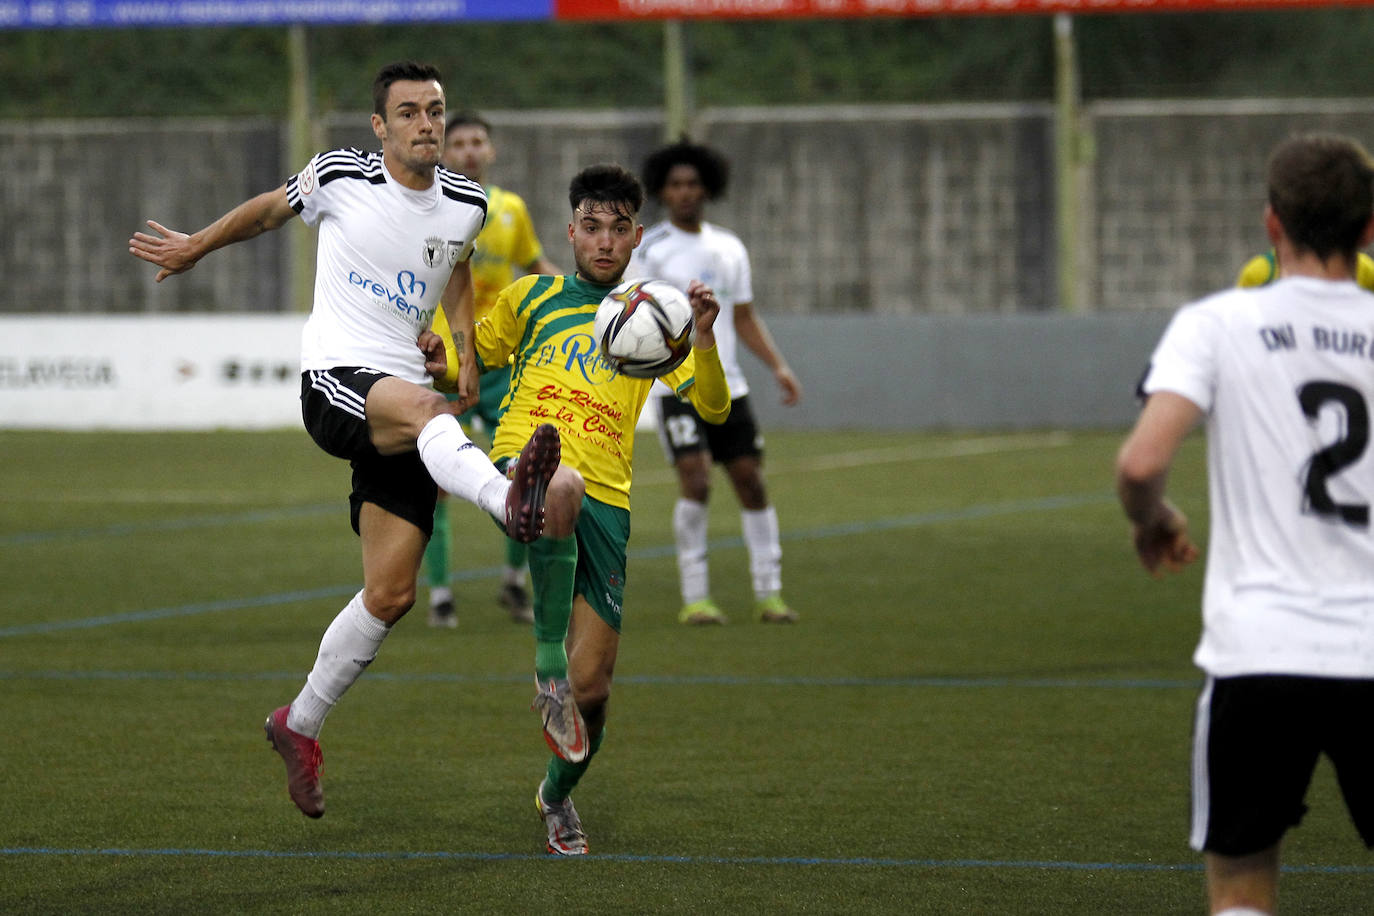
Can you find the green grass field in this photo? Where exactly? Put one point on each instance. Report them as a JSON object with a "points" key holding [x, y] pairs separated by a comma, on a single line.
{"points": [[985, 708]]}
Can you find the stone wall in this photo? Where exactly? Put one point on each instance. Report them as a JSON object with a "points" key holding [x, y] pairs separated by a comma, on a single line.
{"points": [[885, 210]]}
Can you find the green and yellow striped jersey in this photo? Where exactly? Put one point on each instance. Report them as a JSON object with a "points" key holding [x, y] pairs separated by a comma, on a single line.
{"points": [[558, 376], [506, 246]]}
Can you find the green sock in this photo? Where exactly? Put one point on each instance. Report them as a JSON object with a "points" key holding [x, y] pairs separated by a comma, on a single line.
{"points": [[436, 551], [562, 776], [516, 554], [550, 659], [553, 566]]}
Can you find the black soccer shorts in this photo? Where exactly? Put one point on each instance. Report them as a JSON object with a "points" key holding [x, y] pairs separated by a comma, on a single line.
{"points": [[681, 432], [1256, 740], [332, 406]]}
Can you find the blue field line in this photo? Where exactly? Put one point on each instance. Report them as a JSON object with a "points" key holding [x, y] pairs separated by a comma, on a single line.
{"points": [[211, 607], [652, 680], [810, 862], [184, 610], [189, 523], [849, 529], [916, 520]]}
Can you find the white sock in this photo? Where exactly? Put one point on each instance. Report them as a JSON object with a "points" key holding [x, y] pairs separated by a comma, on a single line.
{"points": [[760, 528], [1241, 911], [689, 529], [459, 467], [438, 594], [307, 712], [349, 645], [511, 575]]}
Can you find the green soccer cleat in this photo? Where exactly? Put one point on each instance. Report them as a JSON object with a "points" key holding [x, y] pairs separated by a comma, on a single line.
{"points": [[701, 613], [774, 610]]}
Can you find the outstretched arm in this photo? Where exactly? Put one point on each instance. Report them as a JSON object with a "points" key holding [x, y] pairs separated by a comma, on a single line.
{"points": [[458, 311], [751, 329], [176, 252], [710, 394], [1158, 529]]}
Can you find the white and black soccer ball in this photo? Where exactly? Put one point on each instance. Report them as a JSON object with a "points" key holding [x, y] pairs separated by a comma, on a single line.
{"points": [[645, 328]]}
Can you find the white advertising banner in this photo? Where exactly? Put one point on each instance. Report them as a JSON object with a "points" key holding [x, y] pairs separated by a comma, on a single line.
{"points": [[150, 372]]}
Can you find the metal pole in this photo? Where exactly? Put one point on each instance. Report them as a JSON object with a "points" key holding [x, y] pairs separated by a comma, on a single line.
{"points": [[1066, 160], [299, 148], [675, 81]]}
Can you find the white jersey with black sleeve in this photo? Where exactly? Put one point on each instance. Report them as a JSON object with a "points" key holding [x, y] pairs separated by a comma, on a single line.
{"points": [[1285, 375], [385, 254], [716, 257]]}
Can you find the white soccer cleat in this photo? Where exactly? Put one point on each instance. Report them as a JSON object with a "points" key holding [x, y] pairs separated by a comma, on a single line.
{"points": [[565, 827], [564, 729]]}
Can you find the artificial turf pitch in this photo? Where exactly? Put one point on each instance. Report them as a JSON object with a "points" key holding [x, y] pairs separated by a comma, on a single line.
{"points": [[985, 708]]}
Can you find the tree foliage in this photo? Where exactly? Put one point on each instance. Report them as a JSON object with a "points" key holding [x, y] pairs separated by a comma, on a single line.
{"points": [[239, 71]]}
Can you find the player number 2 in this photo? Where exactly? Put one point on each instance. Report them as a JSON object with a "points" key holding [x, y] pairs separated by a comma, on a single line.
{"points": [[1337, 456]]}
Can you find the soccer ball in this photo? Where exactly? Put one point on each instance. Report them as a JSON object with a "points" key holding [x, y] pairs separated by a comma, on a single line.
{"points": [[645, 328]]}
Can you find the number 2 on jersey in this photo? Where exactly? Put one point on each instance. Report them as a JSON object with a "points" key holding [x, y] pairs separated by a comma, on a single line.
{"points": [[1337, 456]]}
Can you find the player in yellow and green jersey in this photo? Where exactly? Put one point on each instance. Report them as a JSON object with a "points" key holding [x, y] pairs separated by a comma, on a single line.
{"points": [[542, 325], [506, 248], [1263, 269]]}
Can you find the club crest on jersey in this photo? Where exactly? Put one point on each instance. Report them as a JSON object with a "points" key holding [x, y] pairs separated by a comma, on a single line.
{"points": [[433, 253]]}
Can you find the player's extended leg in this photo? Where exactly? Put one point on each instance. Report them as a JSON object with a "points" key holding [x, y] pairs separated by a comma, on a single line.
{"points": [[392, 548], [402, 416], [592, 649], [759, 523], [1243, 885], [441, 610], [690, 535], [553, 570]]}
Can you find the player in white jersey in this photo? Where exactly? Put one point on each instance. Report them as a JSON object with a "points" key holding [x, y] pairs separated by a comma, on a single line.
{"points": [[1283, 376], [395, 233], [683, 248]]}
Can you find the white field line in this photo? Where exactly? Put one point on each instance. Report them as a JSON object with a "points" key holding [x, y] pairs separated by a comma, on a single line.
{"points": [[928, 451]]}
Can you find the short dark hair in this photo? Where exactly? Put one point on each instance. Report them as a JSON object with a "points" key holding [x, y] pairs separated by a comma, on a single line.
{"points": [[467, 118], [711, 166], [395, 72], [610, 184], [1321, 188]]}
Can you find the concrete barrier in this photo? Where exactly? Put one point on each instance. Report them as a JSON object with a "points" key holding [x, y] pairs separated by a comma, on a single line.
{"points": [[859, 371]]}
